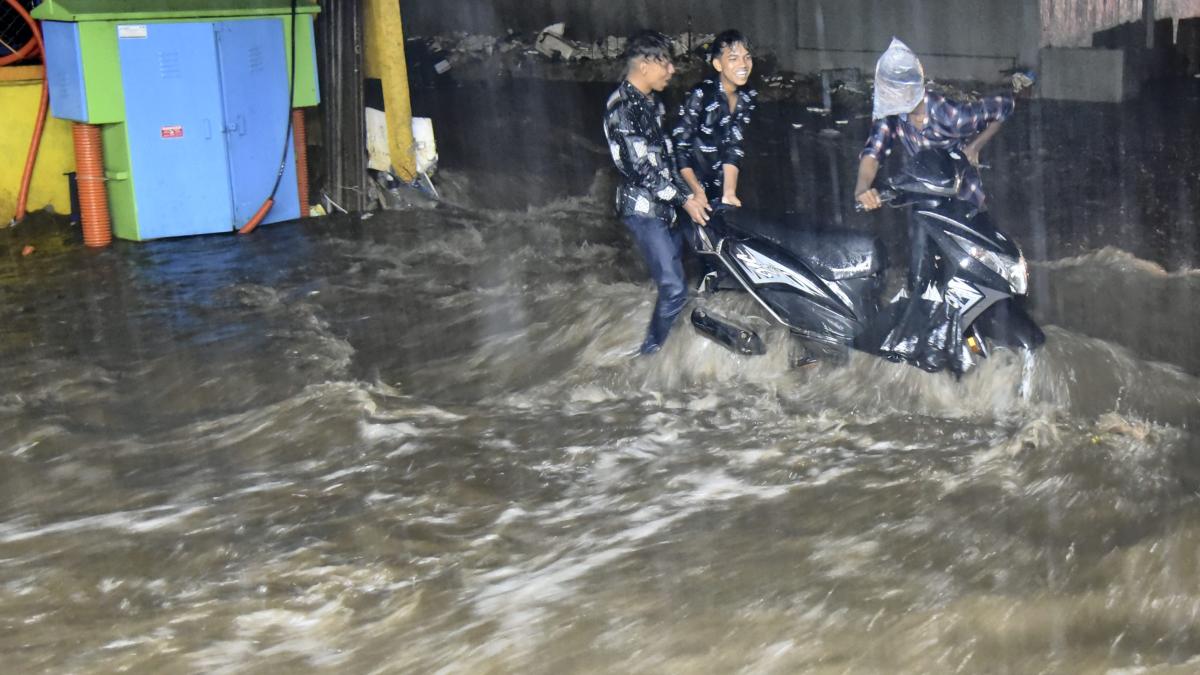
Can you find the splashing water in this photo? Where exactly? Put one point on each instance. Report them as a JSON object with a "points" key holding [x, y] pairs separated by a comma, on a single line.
{"points": [[417, 443]]}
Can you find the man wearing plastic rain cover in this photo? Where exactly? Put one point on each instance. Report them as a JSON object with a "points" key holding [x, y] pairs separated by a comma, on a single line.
{"points": [[905, 112]]}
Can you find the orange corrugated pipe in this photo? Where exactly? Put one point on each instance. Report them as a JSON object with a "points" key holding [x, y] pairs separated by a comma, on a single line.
{"points": [[36, 141], [89, 175], [300, 137]]}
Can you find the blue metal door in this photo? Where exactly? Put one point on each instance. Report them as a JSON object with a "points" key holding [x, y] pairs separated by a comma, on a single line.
{"points": [[254, 81], [174, 117]]}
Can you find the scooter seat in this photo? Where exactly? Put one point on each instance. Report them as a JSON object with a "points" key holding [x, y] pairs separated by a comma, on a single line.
{"points": [[831, 253]]}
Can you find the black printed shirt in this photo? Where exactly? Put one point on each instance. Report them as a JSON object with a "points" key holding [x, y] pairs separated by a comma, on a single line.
{"points": [[951, 125], [708, 135], [650, 184]]}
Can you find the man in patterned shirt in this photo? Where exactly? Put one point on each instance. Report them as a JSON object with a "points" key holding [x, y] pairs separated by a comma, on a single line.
{"points": [[921, 119], [713, 121], [651, 188], [905, 112]]}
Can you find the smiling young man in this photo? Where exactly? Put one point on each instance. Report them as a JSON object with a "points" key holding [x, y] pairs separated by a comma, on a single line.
{"points": [[651, 188], [713, 121]]}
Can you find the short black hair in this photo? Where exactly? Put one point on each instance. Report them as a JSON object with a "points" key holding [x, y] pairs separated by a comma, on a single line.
{"points": [[727, 38], [648, 44]]}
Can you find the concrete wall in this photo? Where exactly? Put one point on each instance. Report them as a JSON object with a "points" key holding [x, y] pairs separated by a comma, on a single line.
{"points": [[1071, 23], [957, 39]]}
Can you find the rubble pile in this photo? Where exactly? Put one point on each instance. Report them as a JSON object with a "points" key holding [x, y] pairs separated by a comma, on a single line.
{"points": [[550, 54]]}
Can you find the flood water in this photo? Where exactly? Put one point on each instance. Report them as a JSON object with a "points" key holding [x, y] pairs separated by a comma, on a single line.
{"points": [[415, 443]]}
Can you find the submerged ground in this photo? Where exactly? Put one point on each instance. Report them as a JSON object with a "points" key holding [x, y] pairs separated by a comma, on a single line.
{"points": [[415, 442]]}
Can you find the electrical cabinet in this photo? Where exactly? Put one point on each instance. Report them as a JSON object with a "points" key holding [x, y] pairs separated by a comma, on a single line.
{"points": [[206, 109], [194, 113]]}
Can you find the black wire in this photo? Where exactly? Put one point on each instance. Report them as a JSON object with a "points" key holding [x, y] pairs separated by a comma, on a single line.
{"points": [[287, 134]]}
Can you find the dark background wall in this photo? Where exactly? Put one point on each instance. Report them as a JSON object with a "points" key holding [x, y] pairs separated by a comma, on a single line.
{"points": [[958, 39]]}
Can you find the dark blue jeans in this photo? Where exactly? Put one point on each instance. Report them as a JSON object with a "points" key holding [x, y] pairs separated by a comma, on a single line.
{"points": [[662, 248]]}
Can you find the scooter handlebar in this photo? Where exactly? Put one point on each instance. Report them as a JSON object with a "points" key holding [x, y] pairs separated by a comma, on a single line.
{"points": [[885, 196]]}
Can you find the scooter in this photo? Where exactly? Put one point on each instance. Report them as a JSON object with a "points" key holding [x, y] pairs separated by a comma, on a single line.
{"points": [[825, 285]]}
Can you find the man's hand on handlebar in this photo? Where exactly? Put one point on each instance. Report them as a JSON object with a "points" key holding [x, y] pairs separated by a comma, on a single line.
{"points": [[868, 200], [697, 208]]}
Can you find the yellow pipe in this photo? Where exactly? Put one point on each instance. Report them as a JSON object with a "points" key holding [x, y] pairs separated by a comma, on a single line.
{"points": [[384, 59]]}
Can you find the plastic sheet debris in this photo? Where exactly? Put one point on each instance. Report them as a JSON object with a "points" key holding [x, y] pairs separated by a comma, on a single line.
{"points": [[424, 145], [1022, 81], [551, 44], [379, 155]]}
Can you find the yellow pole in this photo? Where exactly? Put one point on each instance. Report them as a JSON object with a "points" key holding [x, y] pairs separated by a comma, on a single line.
{"points": [[384, 59]]}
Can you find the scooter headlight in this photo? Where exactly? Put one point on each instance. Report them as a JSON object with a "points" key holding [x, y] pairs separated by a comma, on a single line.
{"points": [[1012, 270]]}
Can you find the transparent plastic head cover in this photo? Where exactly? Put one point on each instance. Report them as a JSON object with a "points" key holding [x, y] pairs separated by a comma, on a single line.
{"points": [[899, 81]]}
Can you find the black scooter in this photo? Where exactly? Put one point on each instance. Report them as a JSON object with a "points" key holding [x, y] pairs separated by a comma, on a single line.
{"points": [[825, 285]]}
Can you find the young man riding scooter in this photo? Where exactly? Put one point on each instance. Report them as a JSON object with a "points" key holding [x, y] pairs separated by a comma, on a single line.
{"points": [[917, 119]]}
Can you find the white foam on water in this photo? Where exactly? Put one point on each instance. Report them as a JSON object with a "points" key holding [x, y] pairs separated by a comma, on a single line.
{"points": [[137, 522]]}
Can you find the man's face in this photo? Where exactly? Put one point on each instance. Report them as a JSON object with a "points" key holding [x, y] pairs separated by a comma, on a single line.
{"points": [[734, 64], [657, 72]]}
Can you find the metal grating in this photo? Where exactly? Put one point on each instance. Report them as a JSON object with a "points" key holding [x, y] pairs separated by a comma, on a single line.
{"points": [[14, 32], [343, 175]]}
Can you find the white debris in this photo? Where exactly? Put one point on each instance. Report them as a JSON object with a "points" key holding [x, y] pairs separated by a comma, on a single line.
{"points": [[551, 45]]}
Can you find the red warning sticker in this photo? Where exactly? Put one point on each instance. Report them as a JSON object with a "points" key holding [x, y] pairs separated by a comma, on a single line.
{"points": [[173, 131]]}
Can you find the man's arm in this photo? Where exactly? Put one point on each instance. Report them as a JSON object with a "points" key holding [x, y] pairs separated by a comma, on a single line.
{"points": [[642, 166], [684, 136], [697, 205], [868, 167], [689, 178], [730, 184], [971, 150], [978, 120], [635, 159], [879, 144], [731, 162]]}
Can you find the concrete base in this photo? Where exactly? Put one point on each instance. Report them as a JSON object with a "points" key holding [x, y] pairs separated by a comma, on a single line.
{"points": [[1101, 75], [1082, 74]]}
